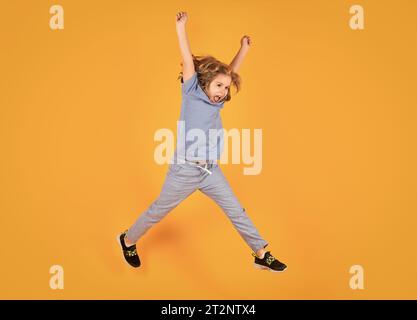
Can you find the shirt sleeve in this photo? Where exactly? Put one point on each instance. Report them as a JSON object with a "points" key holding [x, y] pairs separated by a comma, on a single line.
{"points": [[190, 85]]}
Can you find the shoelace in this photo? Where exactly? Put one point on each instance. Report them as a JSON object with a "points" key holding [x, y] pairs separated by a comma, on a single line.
{"points": [[269, 259], [131, 253]]}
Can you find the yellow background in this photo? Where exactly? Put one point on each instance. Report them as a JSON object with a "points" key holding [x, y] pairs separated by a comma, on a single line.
{"points": [[80, 106]]}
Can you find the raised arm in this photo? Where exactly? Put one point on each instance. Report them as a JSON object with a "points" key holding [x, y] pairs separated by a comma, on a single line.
{"points": [[245, 43], [187, 58]]}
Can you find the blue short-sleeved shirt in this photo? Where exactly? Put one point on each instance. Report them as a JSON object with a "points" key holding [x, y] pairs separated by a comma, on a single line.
{"points": [[200, 130]]}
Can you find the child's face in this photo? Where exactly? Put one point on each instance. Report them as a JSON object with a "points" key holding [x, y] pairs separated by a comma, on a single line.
{"points": [[219, 87]]}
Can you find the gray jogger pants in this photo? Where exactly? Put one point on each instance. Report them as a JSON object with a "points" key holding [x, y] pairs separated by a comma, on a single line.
{"points": [[181, 181]]}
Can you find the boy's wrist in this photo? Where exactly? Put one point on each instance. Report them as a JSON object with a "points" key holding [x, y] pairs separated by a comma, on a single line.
{"points": [[244, 48]]}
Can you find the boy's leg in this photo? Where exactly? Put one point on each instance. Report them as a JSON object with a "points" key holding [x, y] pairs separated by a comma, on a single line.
{"points": [[176, 188], [216, 187]]}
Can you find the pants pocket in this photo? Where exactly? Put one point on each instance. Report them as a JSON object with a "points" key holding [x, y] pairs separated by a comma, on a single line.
{"points": [[175, 167]]}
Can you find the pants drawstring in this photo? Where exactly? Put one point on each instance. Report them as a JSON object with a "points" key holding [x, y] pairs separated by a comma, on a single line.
{"points": [[205, 168], [198, 166]]}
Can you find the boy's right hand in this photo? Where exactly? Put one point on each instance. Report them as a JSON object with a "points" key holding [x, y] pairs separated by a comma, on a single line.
{"points": [[245, 42], [181, 18]]}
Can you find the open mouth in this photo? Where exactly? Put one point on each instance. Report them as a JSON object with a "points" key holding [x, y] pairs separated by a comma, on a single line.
{"points": [[217, 98]]}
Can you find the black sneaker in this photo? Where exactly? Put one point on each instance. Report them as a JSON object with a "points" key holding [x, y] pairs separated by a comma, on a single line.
{"points": [[269, 262], [129, 253]]}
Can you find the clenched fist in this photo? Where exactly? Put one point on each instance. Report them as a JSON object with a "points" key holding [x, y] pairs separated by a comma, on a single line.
{"points": [[245, 42], [181, 18]]}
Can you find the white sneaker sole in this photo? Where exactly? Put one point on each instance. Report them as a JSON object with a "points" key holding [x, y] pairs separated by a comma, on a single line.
{"points": [[258, 266]]}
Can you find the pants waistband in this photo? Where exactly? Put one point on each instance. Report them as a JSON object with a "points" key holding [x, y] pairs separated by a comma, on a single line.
{"points": [[202, 164]]}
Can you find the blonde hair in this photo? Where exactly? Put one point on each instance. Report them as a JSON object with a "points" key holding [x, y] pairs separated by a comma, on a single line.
{"points": [[208, 67]]}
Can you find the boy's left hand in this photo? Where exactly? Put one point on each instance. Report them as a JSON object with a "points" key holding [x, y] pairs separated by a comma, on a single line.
{"points": [[245, 42]]}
